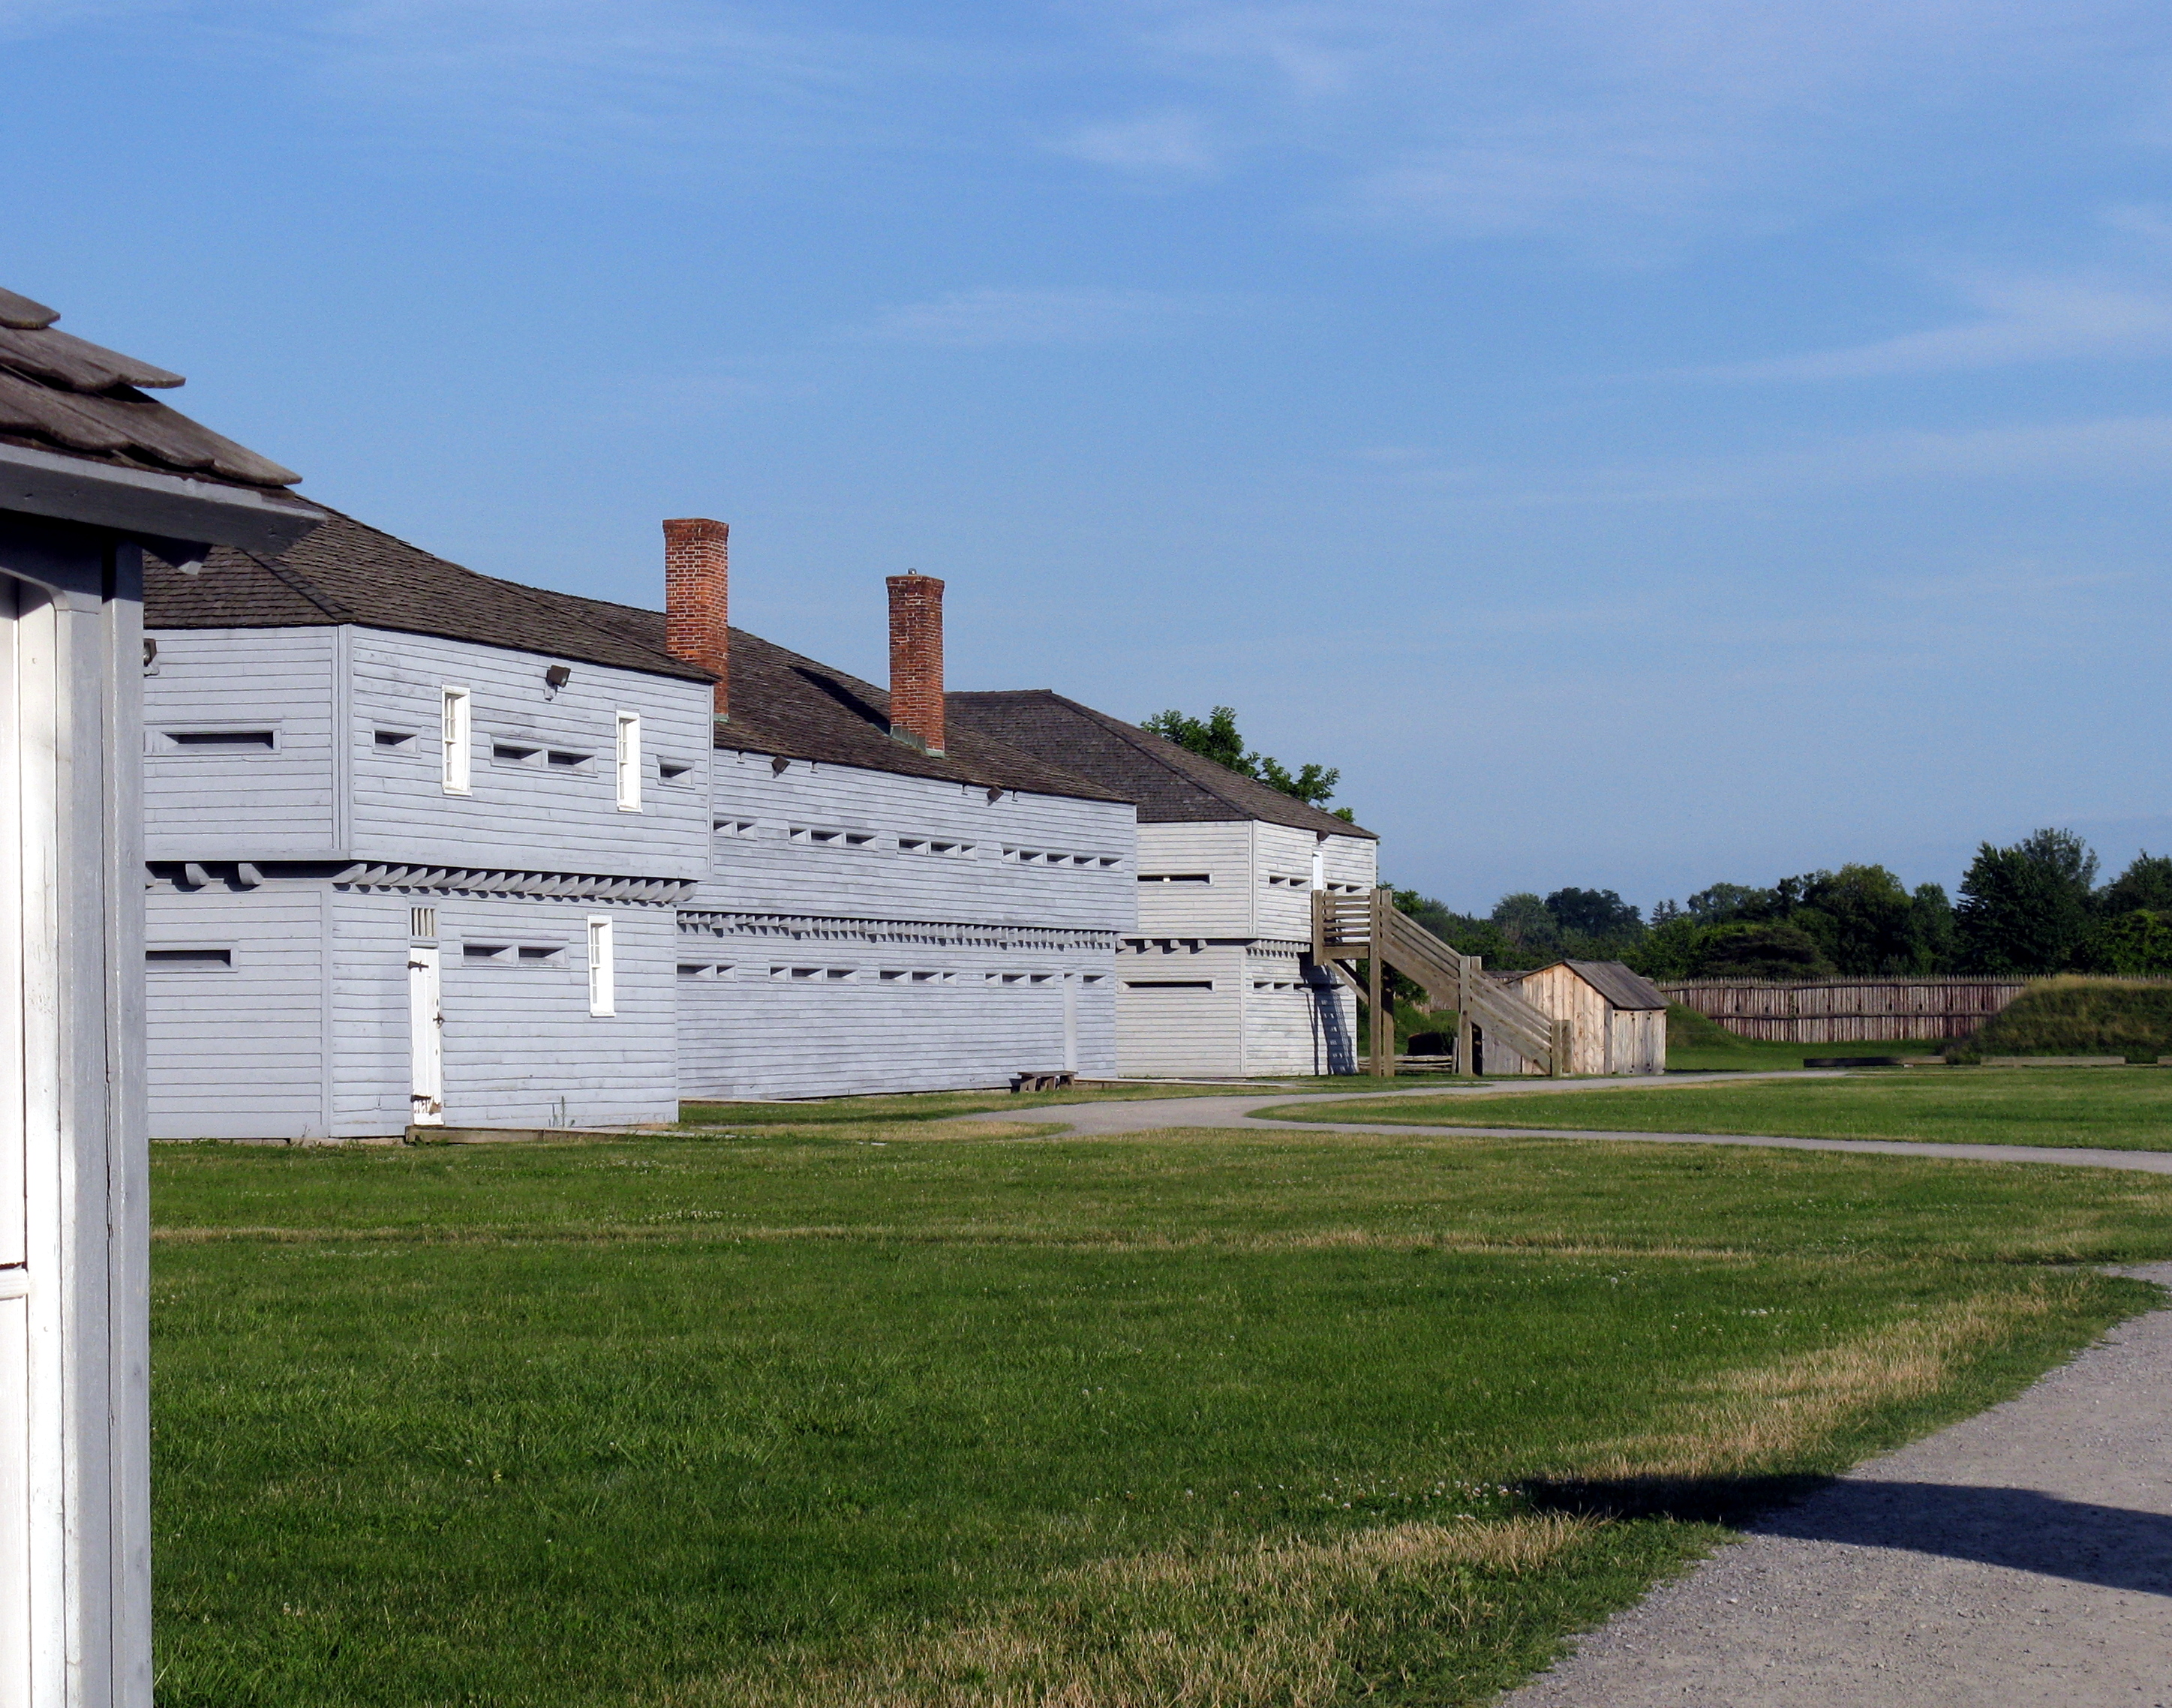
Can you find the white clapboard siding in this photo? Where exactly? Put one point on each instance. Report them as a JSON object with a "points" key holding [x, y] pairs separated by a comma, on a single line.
{"points": [[209, 802], [1165, 1024], [236, 1052], [1171, 899], [1293, 1025], [816, 1019], [1351, 863], [531, 815], [521, 1048], [768, 853]]}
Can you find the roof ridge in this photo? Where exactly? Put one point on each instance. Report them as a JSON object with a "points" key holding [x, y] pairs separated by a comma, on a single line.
{"points": [[537, 598], [1129, 733]]}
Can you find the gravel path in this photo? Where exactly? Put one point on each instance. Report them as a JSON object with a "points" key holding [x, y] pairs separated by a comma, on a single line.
{"points": [[2023, 1557]]}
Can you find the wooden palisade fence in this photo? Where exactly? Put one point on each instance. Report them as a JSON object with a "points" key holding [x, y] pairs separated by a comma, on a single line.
{"points": [[1846, 1011]]}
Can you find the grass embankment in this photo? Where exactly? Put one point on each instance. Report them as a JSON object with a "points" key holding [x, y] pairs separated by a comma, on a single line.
{"points": [[1697, 1044], [2105, 1108], [2079, 1017], [877, 1415]]}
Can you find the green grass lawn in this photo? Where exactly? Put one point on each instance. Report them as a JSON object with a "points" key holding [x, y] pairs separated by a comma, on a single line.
{"points": [[937, 1105], [835, 1414], [2128, 1108]]}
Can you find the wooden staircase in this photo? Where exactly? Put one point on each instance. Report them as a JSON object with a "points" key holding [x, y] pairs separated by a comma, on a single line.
{"points": [[1346, 931]]}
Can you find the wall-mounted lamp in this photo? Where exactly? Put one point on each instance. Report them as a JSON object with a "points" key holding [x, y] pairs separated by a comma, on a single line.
{"points": [[995, 794], [150, 656], [556, 677], [777, 765]]}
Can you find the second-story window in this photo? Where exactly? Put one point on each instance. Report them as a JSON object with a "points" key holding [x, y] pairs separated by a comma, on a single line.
{"points": [[629, 762], [458, 735]]}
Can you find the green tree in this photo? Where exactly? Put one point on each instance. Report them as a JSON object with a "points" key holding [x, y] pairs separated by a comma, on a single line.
{"points": [[1215, 737], [2026, 908], [1593, 913], [1863, 920], [2145, 885], [1525, 920], [1758, 949], [2136, 944]]}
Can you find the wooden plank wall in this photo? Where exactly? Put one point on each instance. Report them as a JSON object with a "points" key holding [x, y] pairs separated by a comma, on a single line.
{"points": [[204, 803], [521, 1048], [530, 815], [1849, 1011]]}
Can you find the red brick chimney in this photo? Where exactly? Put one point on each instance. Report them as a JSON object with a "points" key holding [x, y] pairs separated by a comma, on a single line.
{"points": [[916, 660], [697, 599]]}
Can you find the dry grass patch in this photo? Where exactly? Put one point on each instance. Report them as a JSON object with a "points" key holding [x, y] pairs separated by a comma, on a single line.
{"points": [[1282, 1623], [1759, 1417]]}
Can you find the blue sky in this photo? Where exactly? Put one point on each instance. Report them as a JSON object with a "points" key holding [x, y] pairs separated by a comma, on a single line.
{"points": [[1641, 444]]}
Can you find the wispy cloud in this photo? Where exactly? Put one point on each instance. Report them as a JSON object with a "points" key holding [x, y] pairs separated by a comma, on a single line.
{"points": [[2019, 320], [686, 85], [1174, 143], [1638, 117], [984, 319]]}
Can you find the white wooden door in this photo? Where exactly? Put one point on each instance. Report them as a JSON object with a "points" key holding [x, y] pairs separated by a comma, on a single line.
{"points": [[426, 1028]]}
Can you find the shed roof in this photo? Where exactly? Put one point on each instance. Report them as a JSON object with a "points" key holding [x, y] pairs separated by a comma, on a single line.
{"points": [[1171, 784], [60, 393], [1622, 988], [782, 704]]}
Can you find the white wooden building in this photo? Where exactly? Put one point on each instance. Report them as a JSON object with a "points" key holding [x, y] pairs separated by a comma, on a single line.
{"points": [[416, 841], [1216, 978], [431, 847], [91, 468], [1619, 1018]]}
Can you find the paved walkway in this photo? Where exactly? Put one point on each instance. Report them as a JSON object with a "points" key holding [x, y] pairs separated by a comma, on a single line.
{"points": [[2020, 1560], [1162, 1115]]}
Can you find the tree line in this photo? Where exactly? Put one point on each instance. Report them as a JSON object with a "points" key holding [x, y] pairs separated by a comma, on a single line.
{"points": [[2031, 907], [2034, 907]]}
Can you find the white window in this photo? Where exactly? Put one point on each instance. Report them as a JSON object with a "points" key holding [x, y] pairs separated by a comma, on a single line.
{"points": [[602, 993], [629, 762], [456, 741]]}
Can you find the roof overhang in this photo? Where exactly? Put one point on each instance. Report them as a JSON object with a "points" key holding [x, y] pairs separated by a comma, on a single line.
{"points": [[161, 507]]}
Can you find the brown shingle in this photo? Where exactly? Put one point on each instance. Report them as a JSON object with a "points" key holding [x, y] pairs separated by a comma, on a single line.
{"points": [[782, 704], [1171, 784], [59, 393]]}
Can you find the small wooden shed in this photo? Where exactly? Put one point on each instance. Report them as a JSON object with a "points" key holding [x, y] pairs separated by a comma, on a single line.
{"points": [[1620, 1017]]}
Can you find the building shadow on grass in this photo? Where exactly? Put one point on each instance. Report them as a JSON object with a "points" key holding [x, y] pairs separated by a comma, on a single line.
{"points": [[2020, 1529]]}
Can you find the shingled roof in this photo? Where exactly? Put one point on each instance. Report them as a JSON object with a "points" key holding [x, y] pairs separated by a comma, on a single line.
{"points": [[348, 572], [1171, 784], [58, 393], [782, 704], [1613, 980], [794, 706]]}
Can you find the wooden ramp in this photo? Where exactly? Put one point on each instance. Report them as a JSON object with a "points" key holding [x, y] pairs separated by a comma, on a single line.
{"points": [[1346, 931]]}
